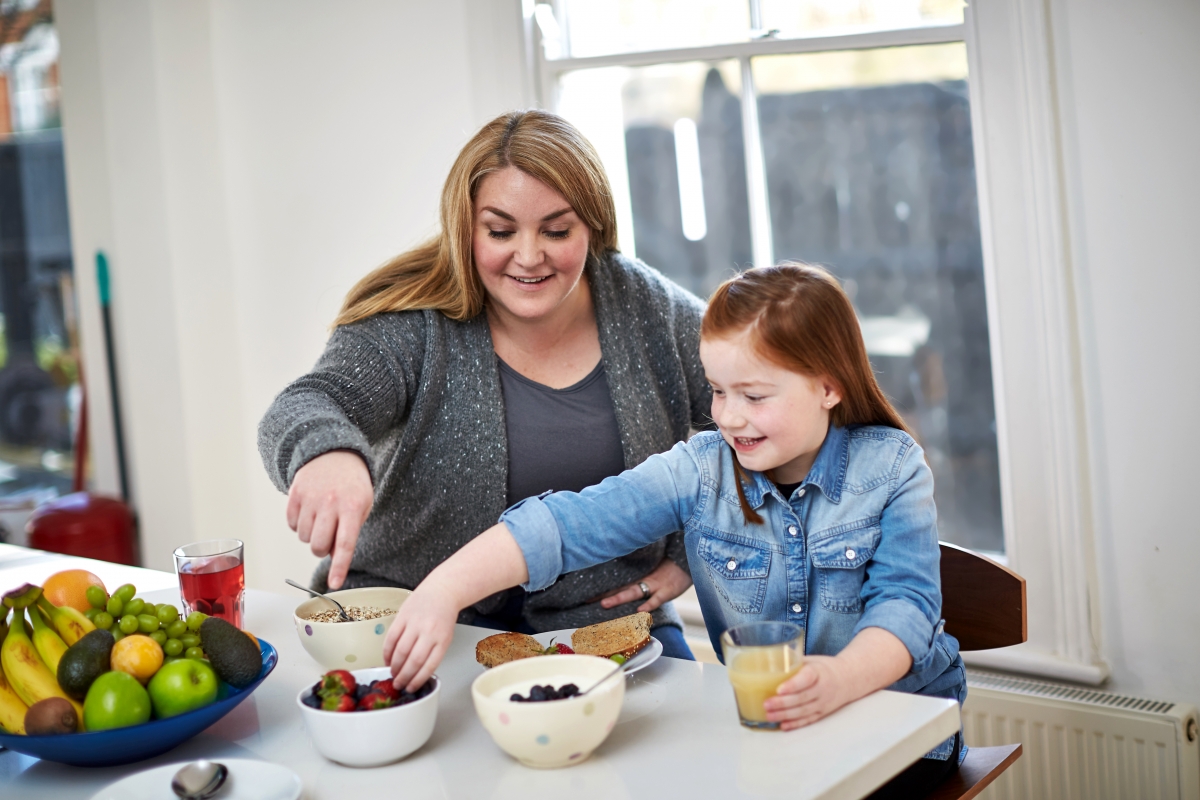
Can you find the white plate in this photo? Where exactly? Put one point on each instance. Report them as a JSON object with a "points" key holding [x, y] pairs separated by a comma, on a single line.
{"points": [[247, 780], [644, 658]]}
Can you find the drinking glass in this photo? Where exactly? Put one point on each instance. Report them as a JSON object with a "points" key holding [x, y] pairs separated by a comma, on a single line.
{"points": [[759, 656], [212, 578]]}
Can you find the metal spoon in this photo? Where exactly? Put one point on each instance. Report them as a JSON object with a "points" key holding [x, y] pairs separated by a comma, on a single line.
{"points": [[620, 668], [341, 610], [199, 780]]}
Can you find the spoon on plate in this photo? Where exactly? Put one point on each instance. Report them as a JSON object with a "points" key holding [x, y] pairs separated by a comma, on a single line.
{"points": [[199, 779], [341, 610]]}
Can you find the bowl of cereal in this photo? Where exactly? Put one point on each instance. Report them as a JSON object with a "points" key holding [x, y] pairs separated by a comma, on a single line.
{"points": [[335, 643]]}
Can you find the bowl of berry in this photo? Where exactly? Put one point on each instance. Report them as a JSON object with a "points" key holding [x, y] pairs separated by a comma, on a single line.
{"points": [[360, 720], [550, 712]]}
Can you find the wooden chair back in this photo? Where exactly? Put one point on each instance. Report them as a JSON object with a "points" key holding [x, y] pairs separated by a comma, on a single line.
{"points": [[983, 602]]}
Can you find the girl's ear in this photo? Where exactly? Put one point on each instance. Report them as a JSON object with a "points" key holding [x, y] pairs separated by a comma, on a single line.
{"points": [[832, 394]]}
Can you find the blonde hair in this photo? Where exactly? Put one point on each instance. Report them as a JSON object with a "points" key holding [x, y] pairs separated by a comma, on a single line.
{"points": [[440, 274]]}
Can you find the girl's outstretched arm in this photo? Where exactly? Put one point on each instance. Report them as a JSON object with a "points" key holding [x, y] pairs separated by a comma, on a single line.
{"points": [[424, 625]]}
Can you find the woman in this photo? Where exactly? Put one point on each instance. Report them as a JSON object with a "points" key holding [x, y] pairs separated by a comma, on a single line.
{"points": [[516, 352]]}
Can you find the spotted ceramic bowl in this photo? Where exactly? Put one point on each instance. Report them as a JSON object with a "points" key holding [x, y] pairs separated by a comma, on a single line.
{"points": [[348, 645], [552, 733]]}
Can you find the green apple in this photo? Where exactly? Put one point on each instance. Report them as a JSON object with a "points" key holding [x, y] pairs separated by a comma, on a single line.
{"points": [[115, 700], [181, 686]]}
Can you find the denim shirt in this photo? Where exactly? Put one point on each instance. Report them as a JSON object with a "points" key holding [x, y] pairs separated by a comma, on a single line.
{"points": [[854, 547]]}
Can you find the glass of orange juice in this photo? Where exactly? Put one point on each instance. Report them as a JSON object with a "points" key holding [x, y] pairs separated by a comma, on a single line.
{"points": [[759, 656]]}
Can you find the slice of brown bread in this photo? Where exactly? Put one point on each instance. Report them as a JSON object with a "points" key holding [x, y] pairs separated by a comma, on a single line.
{"points": [[505, 647], [624, 635]]}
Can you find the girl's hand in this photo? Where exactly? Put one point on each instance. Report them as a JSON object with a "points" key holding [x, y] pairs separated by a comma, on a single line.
{"points": [[816, 691], [419, 637], [666, 582], [330, 499], [874, 659]]}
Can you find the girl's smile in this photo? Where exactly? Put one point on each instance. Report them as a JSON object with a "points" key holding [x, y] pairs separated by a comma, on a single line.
{"points": [[773, 418]]}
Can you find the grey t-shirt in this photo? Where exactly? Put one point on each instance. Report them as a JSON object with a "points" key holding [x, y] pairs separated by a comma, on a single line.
{"points": [[560, 439]]}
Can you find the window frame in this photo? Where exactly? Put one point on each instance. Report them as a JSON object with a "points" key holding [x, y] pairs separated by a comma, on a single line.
{"points": [[1042, 426]]}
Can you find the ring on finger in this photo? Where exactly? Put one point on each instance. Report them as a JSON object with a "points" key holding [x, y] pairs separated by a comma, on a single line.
{"points": [[645, 590]]}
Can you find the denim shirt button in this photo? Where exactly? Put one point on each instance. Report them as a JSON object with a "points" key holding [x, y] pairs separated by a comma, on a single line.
{"points": [[850, 554], [796, 608], [792, 530], [731, 566], [800, 493]]}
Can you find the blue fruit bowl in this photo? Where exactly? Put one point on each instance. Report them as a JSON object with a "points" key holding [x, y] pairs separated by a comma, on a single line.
{"points": [[137, 742]]}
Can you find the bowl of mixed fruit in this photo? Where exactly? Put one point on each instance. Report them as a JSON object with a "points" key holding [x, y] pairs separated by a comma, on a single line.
{"points": [[106, 679], [361, 720]]}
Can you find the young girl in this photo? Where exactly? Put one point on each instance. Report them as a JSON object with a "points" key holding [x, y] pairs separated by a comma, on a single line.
{"points": [[812, 504]]}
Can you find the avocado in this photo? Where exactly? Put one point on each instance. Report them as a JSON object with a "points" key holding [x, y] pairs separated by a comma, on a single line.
{"points": [[233, 656], [85, 661]]}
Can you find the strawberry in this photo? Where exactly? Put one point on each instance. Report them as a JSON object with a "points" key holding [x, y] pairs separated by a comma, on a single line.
{"points": [[340, 702], [337, 682], [559, 649], [386, 688], [374, 700]]}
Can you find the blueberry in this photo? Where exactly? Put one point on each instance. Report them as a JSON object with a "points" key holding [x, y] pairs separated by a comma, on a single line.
{"points": [[537, 694], [361, 691], [516, 698], [312, 701], [570, 690]]}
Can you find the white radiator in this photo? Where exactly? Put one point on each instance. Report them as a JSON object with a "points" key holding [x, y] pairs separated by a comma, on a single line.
{"points": [[1082, 744]]}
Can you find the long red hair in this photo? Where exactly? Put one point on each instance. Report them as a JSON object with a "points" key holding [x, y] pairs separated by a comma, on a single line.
{"points": [[802, 320]]}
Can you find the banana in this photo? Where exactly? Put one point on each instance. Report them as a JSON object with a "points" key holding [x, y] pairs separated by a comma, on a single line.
{"points": [[29, 677], [70, 624], [12, 707], [49, 644]]}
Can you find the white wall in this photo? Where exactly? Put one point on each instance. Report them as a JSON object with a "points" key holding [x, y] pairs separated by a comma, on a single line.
{"points": [[1131, 113], [243, 162]]}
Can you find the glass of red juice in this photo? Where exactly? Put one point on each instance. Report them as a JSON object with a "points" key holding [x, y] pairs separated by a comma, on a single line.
{"points": [[212, 578]]}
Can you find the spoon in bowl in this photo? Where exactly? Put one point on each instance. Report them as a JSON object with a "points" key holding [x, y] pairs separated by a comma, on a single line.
{"points": [[199, 779], [341, 610]]}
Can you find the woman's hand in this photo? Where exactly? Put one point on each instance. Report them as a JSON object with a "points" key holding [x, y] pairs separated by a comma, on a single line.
{"points": [[330, 499], [419, 636], [666, 582]]}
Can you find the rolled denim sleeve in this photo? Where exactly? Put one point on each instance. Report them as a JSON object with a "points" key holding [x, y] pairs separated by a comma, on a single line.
{"points": [[902, 593], [567, 531]]}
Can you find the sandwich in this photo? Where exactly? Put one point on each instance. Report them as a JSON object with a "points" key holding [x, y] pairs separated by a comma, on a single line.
{"points": [[624, 636], [505, 647]]}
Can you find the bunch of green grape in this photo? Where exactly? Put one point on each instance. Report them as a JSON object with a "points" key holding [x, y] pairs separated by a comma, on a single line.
{"points": [[123, 614]]}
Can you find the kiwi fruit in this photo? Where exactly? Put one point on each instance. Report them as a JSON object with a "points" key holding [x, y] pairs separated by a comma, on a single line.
{"points": [[51, 717]]}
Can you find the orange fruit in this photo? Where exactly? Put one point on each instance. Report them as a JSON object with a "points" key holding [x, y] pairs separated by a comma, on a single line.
{"points": [[253, 638], [69, 588], [140, 656]]}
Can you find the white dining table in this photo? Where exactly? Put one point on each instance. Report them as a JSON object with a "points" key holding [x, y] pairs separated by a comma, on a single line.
{"points": [[677, 737]]}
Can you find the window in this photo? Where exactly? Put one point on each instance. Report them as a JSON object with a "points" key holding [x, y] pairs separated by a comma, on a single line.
{"points": [[833, 132], [40, 395]]}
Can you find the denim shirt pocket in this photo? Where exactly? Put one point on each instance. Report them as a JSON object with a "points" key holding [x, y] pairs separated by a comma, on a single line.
{"points": [[738, 568], [841, 557]]}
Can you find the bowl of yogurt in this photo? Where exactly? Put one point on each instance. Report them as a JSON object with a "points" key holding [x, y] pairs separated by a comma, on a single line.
{"points": [[551, 725]]}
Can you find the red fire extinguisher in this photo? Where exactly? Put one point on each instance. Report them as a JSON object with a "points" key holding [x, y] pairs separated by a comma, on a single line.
{"points": [[81, 523]]}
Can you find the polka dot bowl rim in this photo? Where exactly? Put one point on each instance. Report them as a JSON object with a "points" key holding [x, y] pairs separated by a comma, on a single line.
{"points": [[357, 644]]}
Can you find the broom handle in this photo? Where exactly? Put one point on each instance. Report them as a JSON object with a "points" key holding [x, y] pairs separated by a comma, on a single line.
{"points": [[110, 351]]}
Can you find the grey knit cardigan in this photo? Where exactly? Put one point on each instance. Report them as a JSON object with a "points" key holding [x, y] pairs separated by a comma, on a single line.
{"points": [[418, 396]]}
